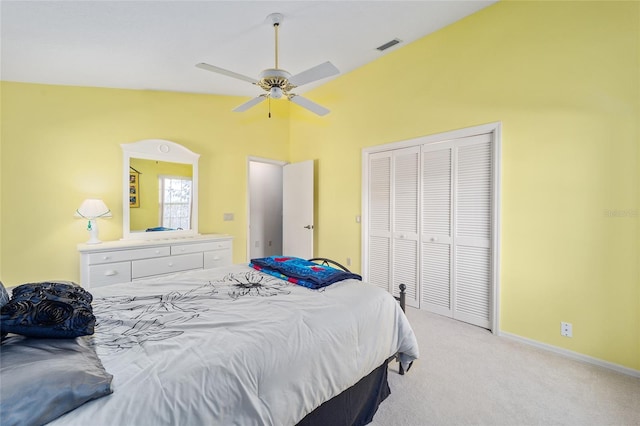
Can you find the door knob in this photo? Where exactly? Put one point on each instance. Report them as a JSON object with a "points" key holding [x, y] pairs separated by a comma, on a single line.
{"points": [[309, 227]]}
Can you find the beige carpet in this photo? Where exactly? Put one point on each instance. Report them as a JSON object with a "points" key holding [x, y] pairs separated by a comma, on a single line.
{"points": [[468, 376]]}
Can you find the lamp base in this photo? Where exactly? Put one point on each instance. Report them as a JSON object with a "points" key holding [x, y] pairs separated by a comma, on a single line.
{"points": [[92, 227]]}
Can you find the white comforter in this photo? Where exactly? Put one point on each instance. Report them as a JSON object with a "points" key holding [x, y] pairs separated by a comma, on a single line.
{"points": [[231, 346]]}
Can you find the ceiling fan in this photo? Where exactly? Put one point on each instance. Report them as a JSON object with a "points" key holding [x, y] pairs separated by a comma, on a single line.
{"points": [[278, 82]]}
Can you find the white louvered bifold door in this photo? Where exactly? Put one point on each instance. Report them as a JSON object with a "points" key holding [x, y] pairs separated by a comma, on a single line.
{"points": [[436, 216], [472, 215], [379, 220], [405, 205]]}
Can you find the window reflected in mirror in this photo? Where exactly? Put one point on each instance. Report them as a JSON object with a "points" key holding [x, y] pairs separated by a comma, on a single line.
{"points": [[175, 202]]}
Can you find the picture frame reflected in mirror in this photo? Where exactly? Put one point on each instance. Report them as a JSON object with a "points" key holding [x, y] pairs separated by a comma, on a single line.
{"points": [[134, 195]]}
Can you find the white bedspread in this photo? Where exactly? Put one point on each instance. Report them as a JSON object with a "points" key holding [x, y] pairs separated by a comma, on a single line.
{"points": [[231, 346]]}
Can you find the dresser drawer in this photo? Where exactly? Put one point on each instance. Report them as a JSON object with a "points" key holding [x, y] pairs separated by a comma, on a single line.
{"points": [[111, 273], [199, 247], [166, 265], [214, 259], [118, 256]]}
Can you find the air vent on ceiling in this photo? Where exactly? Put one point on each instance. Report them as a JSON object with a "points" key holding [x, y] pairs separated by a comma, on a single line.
{"points": [[388, 44]]}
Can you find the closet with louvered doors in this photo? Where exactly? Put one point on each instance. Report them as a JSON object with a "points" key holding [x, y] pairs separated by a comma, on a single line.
{"points": [[429, 215]]}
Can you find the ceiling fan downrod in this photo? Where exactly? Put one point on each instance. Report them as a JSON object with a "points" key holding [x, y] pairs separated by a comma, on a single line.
{"points": [[276, 26], [276, 18]]}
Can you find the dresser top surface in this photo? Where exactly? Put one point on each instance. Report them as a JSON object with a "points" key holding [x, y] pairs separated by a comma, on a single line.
{"points": [[132, 244]]}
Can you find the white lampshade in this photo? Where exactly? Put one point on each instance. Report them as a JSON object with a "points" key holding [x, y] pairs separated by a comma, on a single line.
{"points": [[92, 209]]}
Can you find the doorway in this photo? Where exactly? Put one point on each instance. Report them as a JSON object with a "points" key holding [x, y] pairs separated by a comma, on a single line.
{"points": [[264, 237], [280, 208]]}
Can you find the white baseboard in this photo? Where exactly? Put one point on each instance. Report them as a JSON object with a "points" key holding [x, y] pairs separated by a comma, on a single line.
{"points": [[571, 354]]}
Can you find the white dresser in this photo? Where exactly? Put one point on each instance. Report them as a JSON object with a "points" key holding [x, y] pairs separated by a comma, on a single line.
{"points": [[126, 260]]}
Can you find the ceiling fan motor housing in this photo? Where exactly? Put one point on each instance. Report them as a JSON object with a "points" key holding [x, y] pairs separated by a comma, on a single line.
{"points": [[274, 77]]}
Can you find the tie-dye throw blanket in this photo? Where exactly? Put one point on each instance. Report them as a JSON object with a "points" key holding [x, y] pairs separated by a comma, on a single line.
{"points": [[301, 271]]}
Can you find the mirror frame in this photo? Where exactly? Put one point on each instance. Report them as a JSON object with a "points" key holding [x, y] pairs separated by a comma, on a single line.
{"points": [[160, 150]]}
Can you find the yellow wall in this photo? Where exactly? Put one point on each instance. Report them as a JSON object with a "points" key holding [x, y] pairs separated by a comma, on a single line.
{"points": [[563, 78], [61, 145]]}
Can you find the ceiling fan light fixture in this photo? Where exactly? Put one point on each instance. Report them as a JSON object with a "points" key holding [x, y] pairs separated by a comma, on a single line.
{"points": [[275, 92]]}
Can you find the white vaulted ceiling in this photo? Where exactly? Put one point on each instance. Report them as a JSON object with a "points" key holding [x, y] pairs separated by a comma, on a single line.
{"points": [[155, 45]]}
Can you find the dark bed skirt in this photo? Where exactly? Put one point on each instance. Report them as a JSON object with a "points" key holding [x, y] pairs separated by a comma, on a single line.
{"points": [[355, 406]]}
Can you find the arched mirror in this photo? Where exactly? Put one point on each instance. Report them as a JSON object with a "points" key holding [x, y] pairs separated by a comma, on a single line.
{"points": [[159, 191]]}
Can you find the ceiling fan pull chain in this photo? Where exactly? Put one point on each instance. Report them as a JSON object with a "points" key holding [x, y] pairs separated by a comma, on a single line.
{"points": [[269, 107]]}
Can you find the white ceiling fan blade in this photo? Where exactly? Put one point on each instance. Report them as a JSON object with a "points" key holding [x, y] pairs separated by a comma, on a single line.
{"points": [[228, 73], [323, 70], [310, 105], [245, 106]]}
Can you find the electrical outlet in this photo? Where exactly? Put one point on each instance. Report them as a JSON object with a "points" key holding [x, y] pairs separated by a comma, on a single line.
{"points": [[566, 329], [348, 261], [228, 216]]}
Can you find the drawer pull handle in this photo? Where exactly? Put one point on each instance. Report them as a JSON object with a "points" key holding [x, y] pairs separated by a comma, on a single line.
{"points": [[216, 257], [170, 264], [157, 251], [110, 273], [106, 257]]}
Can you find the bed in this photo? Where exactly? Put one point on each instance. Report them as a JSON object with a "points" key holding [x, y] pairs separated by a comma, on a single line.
{"points": [[236, 346]]}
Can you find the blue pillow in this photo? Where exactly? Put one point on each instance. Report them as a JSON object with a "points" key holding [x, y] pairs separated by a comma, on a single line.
{"points": [[55, 290], [4, 296], [48, 310], [4, 299]]}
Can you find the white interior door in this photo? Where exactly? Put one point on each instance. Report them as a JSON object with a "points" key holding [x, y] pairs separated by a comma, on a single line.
{"points": [[456, 229], [404, 248], [472, 245], [297, 209], [437, 211], [379, 221]]}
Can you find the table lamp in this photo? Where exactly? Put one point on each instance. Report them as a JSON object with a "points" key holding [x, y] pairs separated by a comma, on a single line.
{"points": [[92, 209]]}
